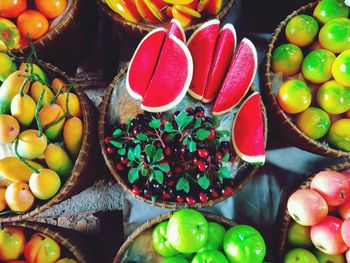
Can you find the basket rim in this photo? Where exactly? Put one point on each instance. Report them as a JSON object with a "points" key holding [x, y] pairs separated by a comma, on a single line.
{"points": [[283, 218], [63, 240], [151, 223], [64, 22], [164, 204], [147, 27], [313, 145], [80, 162]]}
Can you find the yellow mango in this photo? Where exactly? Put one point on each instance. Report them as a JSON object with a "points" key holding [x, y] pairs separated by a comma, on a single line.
{"points": [[48, 115], [73, 136], [44, 184], [73, 103], [23, 109], [36, 70], [35, 92], [9, 128], [57, 159], [30, 145]]}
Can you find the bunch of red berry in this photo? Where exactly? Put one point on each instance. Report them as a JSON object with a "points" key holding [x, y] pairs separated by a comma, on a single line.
{"points": [[177, 158]]}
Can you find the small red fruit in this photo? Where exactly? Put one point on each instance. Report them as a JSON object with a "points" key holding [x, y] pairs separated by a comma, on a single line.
{"points": [[166, 195], [211, 135], [190, 200], [110, 150], [135, 190], [203, 198], [201, 166], [213, 193], [108, 140], [218, 157], [203, 153], [119, 166], [228, 191], [180, 199]]}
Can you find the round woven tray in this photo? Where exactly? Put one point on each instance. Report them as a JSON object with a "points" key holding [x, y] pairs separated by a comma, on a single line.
{"points": [[63, 240], [244, 178], [281, 120], [81, 174], [283, 217], [152, 223], [141, 29]]}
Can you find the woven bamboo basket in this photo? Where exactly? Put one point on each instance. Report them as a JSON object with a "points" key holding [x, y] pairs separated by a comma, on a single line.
{"points": [[141, 29], [285, 125], [68, 247], [152, 223], [81, 175], [283, 217], [244, 177]]}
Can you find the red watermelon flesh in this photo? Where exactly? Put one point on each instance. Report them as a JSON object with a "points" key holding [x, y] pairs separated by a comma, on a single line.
{"points": [[143, 63], [171, 79], [176, 29], [248, 131], [238, 78], [201, 45], [223, 53]]}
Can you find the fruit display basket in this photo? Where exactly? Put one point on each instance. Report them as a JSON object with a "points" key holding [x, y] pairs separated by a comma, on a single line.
{"points": [[119, 106], [284, 219], [287, 127], [70, 251], [81, 173], [141, 29]]}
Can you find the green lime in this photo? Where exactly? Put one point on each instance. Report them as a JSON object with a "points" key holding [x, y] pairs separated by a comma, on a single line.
{"points": [[326, 10], [314, 122], [333, 97], [339, 134], [334, 35], [301, 30]]}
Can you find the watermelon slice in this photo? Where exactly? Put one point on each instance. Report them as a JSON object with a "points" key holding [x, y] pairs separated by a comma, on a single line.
{"points": [[144, 62], [201, 45], [176, 29], [223, 53], [248, 131], [171, 79], [238, 78]]}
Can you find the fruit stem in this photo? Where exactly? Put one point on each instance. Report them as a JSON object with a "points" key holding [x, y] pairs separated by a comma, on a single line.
{"points": [[31, 167], [159, 138], [21, 90], [54, 100], [32, 46], [38, 107], [68, 114], [55, 122]]}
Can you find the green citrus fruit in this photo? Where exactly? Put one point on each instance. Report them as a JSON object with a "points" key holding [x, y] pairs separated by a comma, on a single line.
{"points": [[333, 97], [317, 66], [294, 96], [326, 10], [314, 122], [301, 30], [334, 35], [339, 134], [341, 68], [287, 59]]}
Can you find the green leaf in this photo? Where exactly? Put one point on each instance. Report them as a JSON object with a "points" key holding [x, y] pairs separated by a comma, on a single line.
{"points": [[172, 136], [216, 121], [192, 146], [168, 126], [142, 137], [187, 120], [144, 171], [133, 175], [208, 125], [131, 156], [122, 151], [117, 144], [185, 141], [221, 178], [128, 124], [204, 182], [183, 184], [164, 167], [149, 150], [225, 158], [223, 134], [225, 172], [116, 133], [197, 124], [137, 151], [159, 176], [155, 124], [180, 118], [154, 198], [202, 134], [157, 156]]}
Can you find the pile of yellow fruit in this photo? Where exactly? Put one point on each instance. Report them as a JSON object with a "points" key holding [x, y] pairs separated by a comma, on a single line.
{"points": [[40, 134]]}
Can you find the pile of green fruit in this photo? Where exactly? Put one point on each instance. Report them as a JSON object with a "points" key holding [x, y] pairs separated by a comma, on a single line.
{"points": [[188, 237]]}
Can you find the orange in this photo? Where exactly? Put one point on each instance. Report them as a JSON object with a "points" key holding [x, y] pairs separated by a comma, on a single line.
{"points": [[32, 22], [3, 203], [51, 8], [19, 198], [12, 8]]}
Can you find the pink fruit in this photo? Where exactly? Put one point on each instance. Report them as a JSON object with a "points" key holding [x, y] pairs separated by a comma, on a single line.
{"points": [[326, 236], [347, 175], [334, 187], [143, 63], [165, 90], [238, 78], [223, 53], [307, 207], [345, 231], [248, 131], [176, 29], [201, 45], [344, 210]]}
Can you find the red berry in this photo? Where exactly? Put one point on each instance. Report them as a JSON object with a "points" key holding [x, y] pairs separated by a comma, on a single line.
{"points": [[135, 190], [232, 158], [213, 193], [166, 195], [120, 167], [203, 197], [201, 166], [108, 140], [228, 191], [218, 157], [190, 200], [135, 131], [195, 161], [203, 153], [199, 114], [178, 170], [124, 160], [211, 135], [167, 151], [189, 110], [170, 183], [110, 150], [180, 199]]}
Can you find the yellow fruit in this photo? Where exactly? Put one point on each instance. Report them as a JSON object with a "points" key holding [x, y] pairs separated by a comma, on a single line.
{"points": [[49, 114], [35, 92], [30, 145], [42, 249], [3, 203], [19, 198], [73, 103], [7, 66], [23, 109], [12, 242], [58, 160], [9, 128], [73, 136], [36, 70], [57, 84], [66, 260], [44, 184]]}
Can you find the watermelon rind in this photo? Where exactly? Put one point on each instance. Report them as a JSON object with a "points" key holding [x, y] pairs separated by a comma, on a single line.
{"points": [[187, 83], [256, 159], [128, 87], [178, 24], [255, 57]]}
